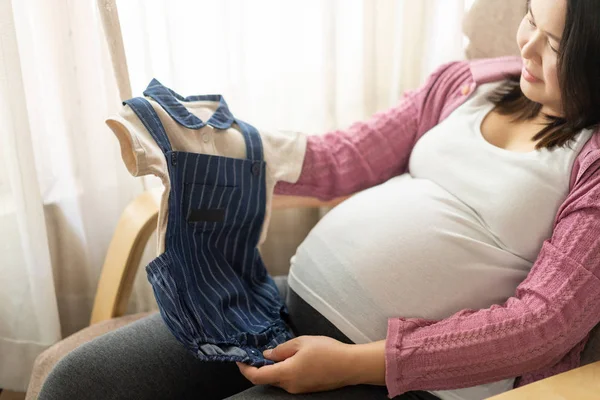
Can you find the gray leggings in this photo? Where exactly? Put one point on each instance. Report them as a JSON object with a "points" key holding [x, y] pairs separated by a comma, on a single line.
{"points": [[144, 361]]}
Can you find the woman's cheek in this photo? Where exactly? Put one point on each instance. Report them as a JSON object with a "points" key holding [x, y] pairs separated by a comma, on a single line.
{"points": [[552, 79]]}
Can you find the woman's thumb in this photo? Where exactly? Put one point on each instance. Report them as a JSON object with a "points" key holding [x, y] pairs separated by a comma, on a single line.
{"points": [[283, 351]]}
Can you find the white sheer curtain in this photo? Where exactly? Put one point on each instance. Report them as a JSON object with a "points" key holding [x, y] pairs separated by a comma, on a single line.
{"points": [[62, 182], [309, 65]]}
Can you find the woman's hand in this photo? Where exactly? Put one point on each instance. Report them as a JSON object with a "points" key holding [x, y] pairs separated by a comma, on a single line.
{"points": [[307, 364]]}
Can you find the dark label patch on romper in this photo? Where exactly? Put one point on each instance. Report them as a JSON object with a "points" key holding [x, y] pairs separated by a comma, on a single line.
{"points": [[207, 215]]}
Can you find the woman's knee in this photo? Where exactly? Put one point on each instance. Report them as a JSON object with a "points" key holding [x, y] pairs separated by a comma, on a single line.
{"points": [[73, 377], [109, 367]]}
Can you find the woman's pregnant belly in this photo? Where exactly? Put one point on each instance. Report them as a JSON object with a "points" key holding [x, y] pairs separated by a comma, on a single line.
{"points": [[404, 248]]}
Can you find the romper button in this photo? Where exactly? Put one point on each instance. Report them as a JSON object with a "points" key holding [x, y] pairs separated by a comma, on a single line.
{"points": [[206, 138], [256, 169], [465, 90]]}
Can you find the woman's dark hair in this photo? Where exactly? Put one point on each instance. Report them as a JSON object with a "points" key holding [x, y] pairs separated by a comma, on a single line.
{"points": [[578, 72]]}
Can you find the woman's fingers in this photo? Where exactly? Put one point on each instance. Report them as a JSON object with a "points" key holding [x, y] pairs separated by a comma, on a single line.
{"points": [[267, 375], [284, 350], [271, 374]]}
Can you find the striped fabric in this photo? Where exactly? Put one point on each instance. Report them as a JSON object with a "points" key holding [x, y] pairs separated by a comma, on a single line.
{"points": [[210, 284]]}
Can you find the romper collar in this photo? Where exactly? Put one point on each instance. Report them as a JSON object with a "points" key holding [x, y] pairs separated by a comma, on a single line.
{"points": [[172, 104]]}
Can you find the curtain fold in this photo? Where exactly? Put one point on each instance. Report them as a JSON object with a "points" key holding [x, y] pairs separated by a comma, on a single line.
{"points": [[28, 308]]}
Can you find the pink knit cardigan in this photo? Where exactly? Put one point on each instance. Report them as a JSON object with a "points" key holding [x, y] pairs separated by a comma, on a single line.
{"points": [[539, 331]]}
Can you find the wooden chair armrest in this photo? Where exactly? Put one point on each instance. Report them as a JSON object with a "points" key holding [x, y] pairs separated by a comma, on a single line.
{"points": [[136, 225], [581, 383]]}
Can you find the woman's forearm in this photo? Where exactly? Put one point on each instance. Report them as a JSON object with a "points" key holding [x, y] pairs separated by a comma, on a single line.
{"points": [[368, 363]]}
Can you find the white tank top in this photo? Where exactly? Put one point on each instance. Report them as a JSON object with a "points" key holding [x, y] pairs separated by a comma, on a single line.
{"points": [[460, 230]]}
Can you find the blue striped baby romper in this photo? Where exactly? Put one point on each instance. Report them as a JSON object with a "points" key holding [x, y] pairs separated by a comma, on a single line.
{"points": [[211, 285]]}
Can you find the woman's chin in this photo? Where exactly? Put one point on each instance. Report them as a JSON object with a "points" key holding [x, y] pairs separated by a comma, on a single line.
{"points": [[536, 94], [530, 91]]}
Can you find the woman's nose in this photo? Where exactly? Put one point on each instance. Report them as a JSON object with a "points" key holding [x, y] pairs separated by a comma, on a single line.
{"points": [[531, 50]]}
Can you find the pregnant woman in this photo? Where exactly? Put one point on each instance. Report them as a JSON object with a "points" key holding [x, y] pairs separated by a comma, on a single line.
{"points": [[467, 263]]}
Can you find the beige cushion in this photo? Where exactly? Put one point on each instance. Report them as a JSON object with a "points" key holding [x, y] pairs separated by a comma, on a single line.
{"points": [[45, 362], [491, 26]]}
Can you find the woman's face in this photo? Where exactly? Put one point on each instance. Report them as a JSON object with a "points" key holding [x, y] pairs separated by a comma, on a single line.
{"points": [[539, 38]]}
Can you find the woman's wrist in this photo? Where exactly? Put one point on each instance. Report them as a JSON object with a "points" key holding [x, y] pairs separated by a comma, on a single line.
{"points": [[367, 363]]}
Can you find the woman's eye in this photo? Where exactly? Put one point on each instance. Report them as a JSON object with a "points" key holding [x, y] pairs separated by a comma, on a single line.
{"points": [[531, 22]]}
